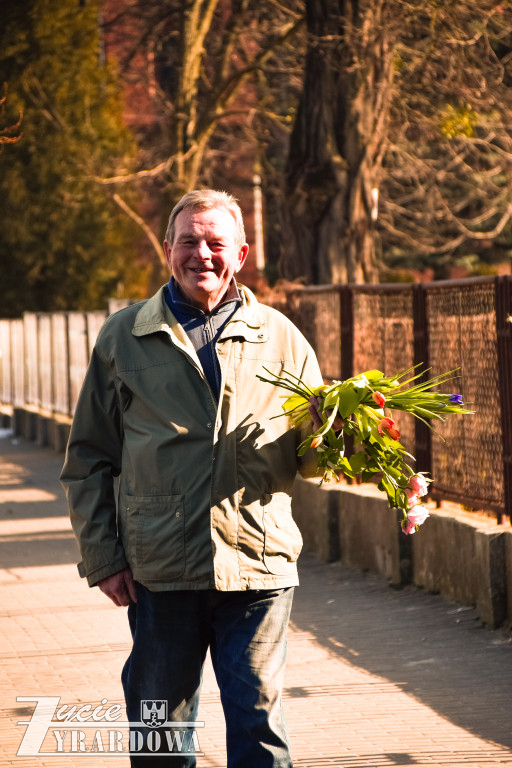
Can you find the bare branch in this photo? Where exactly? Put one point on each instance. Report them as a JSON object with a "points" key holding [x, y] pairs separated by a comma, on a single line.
{"points": [[142, 224]]}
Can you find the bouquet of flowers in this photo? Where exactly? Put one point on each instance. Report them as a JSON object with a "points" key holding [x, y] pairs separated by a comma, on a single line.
{"points": [[360, 402]]}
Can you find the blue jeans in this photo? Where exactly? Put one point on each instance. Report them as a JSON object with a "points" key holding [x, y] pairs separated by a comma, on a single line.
{"points": [[246, 633]]}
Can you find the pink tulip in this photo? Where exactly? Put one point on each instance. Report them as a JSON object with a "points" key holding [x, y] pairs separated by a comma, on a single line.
{"points": [[408, 527], [388, 425], [419, 485], [417, 514], [379, 399], [412, 497]]}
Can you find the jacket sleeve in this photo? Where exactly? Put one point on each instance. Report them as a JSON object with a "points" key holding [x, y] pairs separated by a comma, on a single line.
{"points": [[93, 460]]}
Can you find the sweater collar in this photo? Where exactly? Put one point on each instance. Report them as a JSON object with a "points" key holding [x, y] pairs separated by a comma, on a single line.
{"points": [[176, 298], [248, 321]]}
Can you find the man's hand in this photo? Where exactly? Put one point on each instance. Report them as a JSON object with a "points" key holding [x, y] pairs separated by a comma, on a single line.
{"points": [[119, 587], [314, 406]]}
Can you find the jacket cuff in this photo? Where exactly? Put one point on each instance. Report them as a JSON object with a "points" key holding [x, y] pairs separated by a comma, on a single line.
{"points": [[97, 574]]}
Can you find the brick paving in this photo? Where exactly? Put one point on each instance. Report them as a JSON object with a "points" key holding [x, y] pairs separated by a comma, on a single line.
{"points": [[376, 677]]}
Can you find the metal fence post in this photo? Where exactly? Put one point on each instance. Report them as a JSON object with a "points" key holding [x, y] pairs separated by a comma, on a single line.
{"points": [[503, 303], [347, 331], [422, 434]]}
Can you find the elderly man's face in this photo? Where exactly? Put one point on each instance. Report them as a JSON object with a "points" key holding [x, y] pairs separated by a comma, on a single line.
{"points": [[205, 255]]}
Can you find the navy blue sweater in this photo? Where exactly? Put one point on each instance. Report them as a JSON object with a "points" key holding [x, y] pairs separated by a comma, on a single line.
{"points": [[202, 328]]}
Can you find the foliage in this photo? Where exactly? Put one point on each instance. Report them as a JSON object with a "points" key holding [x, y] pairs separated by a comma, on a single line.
{"points": [[359, 402], [63, 242]]}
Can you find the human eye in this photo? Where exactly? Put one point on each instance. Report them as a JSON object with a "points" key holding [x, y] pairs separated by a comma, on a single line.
{"points": [[216, 245]]}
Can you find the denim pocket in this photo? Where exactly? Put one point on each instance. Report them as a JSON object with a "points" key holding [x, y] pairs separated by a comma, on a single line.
{"points": [[154, 534]]}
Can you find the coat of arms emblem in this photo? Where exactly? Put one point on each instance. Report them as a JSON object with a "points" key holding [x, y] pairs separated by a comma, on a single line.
{"points": [[153, 713]]}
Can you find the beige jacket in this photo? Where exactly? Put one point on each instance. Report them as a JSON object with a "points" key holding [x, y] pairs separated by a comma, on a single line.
{"points": [[204, 489]]}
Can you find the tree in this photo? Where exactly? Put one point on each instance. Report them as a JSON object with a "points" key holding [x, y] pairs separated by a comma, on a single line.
{"points": [[207, 64], [409, 102], [63, 241], [447, 185]]}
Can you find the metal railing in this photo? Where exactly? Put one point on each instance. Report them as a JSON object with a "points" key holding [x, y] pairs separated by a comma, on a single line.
{"points": [[464, 324]]}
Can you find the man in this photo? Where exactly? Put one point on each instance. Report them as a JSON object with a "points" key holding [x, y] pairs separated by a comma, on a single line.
{"points": [[202, 545]]}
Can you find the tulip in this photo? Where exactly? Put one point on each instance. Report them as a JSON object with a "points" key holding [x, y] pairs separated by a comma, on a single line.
{"points": [[417, 514], [419, 485], [379, 399], [388, 425], [383, 424], [408, 527], [412, 497]]}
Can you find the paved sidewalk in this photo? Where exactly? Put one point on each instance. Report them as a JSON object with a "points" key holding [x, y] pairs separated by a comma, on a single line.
{"points": [[376, 677]]}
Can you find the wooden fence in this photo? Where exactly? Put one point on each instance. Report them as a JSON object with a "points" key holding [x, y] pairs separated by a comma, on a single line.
{"points": [[43, 359]]}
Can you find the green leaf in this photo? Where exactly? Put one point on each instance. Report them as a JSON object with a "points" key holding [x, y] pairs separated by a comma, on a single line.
{"points": [[388, 486], [345, 467], [401, 499], [330, 400], [358, 461], [348, 400]]}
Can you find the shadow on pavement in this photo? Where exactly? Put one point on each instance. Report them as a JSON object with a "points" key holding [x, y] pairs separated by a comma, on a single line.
{"points": [[23, 550], [34, 523], [435, 650], [29, 481]]}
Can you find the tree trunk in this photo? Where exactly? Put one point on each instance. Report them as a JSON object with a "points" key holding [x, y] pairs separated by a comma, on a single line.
{"points": [[337, 144]]}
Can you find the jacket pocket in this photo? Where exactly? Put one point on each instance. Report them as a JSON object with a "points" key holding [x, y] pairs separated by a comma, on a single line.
{"points": [[282, 538], [154, 536]]}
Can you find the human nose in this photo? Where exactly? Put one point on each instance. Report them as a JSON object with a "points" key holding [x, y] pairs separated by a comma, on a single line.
{"points": [[202, 250]]}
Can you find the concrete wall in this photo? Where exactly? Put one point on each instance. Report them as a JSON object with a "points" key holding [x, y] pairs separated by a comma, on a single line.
{"points": [[43, 428], [465, 557]]}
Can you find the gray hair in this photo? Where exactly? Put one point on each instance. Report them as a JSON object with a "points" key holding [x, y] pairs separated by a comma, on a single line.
{"points": [[205, 200]]}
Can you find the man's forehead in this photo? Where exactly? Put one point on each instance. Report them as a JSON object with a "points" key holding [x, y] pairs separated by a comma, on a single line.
{"points": [[219, 219]]}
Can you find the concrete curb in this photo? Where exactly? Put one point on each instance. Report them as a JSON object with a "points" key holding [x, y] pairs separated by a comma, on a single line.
{"points": [[44, 428], [464, 557]]}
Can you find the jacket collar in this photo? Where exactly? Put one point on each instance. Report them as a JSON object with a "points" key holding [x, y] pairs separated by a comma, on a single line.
{"points": [[248, 321]]}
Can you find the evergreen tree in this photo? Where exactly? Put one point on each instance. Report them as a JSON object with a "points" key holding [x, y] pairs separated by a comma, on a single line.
{"points": [[64, 244]]}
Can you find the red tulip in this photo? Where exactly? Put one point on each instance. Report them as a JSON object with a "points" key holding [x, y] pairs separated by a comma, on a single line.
{"points": [[379, 399], [388, 425]]}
